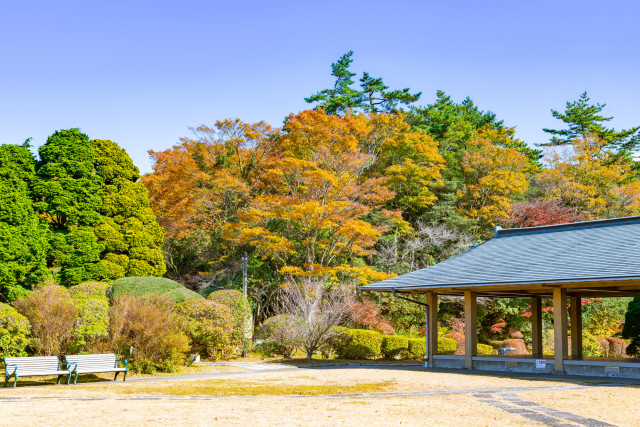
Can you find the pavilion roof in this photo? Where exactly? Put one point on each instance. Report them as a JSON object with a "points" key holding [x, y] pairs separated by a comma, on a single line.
{"points": [[602, 251]]}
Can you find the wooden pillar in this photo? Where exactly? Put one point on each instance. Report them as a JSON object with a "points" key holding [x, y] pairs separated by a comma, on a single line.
{"points": [[560, 340], [432, 327], [576, 327], [470, 328], [536, 326]]}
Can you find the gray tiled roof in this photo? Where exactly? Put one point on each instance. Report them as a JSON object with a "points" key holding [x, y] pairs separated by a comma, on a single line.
{"points": [[583, 251]]}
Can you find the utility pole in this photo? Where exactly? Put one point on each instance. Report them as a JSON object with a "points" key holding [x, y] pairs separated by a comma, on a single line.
{"points": [[245, 258]]}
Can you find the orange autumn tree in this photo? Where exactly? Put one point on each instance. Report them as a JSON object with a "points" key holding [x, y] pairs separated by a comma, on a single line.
{"points": [[493, 176], [320, 191], [200, 184]]}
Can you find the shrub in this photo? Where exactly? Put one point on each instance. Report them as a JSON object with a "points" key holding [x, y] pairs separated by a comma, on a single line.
{"points": [[361, 344], [139, 286], [92, 323], [517, 344], [393, 346], [590, 345], [459, 339], [417, 348], [617, 347], [366, 314], [209, 326], [241, 312], [446, 345], [484, 349], [14, 331], [337, 340], [52, 315], [150, 327], [278, 335]]}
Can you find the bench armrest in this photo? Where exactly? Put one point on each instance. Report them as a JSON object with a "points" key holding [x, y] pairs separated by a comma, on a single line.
{"points": [[68, 366], [122, 360], [6, 369]]}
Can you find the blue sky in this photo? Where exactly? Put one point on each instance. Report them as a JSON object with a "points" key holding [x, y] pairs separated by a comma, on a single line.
{"points": [[141, 72]]}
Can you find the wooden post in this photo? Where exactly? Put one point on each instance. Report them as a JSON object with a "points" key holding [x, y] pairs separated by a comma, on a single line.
{"points": [[560, 340], [470, 328], [432, 327], [536, 327], [576, 327]]}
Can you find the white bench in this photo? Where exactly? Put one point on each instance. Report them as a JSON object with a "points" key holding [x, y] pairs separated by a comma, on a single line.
{"points": [[94, 364], [33, 366]]}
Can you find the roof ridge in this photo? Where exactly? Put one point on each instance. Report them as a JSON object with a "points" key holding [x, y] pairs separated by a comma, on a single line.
{"points": [[499, 232]]}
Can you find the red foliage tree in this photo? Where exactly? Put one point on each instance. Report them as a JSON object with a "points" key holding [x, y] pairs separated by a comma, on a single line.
{"points": [[541, 212]]}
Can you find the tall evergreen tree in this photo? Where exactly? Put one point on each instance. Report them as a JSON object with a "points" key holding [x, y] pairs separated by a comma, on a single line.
{"points": [[23, 241], [583, 118], [631, 329], [128, 230], [67, 196]]}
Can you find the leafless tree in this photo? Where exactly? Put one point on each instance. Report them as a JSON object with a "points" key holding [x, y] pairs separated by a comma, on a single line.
{"points": [[319, 307]]}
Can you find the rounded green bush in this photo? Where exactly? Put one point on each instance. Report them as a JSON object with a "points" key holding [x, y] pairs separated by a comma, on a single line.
{"points": [[241, 312], [278, 335], [446, 345], [140, 286], [484, 349], [361, 344], [14, 332], [417, 348], [209, 326], [90, 298], [394, 346]]}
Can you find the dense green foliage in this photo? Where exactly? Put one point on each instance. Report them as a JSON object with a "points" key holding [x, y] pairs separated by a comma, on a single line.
{"points": [[631, 328], [241, 312], [209, 326], [14, 332], [361, 344], [140, 286], [23, 241], [484, 350], [394, 346], [128, 229]]}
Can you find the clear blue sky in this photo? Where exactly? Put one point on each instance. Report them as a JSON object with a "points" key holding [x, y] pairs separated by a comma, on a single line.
{"points": [[141, 72]]}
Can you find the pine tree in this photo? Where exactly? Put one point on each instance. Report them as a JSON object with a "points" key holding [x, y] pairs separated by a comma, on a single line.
{"points": [[631, 329], [23, 242], [584, 119]]}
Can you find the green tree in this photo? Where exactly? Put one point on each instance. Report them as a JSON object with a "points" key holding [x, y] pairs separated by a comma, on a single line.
{"points": [[23, 242], [67, 196], [128, 231], [631, 327], [372, 97], [583, 119]]}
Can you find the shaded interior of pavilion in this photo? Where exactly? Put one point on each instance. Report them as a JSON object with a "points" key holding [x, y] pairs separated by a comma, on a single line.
{"points": [[567, 355]]}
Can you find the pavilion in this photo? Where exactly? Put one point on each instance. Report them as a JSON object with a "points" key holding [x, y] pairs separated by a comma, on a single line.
{"points": [[566, 261]]}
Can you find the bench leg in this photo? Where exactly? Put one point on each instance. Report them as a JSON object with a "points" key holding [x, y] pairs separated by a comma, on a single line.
{"points": [[116, 376], [16, 381], [75, 380], [6, 380], [125, 375], [58, 380]]}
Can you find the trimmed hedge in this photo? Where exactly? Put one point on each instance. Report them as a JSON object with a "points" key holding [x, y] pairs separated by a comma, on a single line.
{"points": [[484, 349], [241, 312], [14, 332], [361, 344], [140, 286], [446, 345], [394, 346], [417, 348]]}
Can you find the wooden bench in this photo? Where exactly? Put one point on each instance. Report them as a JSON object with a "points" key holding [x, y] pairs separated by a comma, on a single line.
{"points": [[94, 364], [33, 366]]}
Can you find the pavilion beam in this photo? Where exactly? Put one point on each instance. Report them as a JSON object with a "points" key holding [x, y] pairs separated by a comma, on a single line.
{"points": [[576, 327], [560, 339], [536, 326], [432, 327], [470, 328]]}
